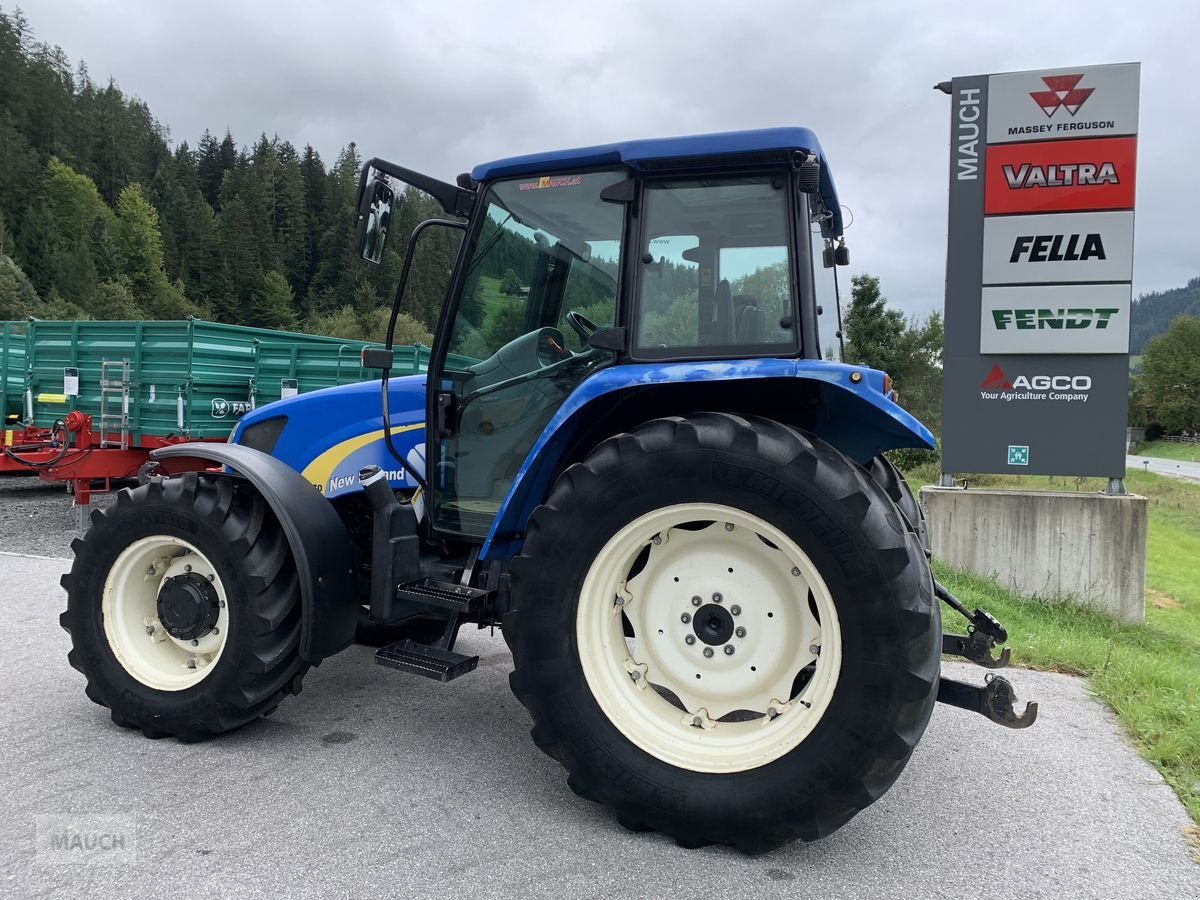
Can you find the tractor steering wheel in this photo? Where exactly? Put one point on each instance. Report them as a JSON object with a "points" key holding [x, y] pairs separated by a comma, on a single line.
{"points": [[581, 325]]}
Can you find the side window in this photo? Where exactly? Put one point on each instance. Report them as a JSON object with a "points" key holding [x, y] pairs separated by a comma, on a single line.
{"points": [[716, 271], [670, 309], [827, 299]]}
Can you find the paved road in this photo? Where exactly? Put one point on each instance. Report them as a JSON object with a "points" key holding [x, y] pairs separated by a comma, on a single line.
{"points": [[1189, 471], [374, 783]]}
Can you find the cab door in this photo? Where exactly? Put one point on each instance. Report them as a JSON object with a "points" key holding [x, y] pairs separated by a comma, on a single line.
{"points": [[541, 272]]}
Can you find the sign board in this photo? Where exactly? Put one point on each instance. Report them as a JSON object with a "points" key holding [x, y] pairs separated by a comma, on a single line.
{"points": [[71, 381], [288, 387], [1039, 271]]}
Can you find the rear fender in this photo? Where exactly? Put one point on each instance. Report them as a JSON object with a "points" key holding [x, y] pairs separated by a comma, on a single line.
{"points": [[326, 559], [853, 413]]}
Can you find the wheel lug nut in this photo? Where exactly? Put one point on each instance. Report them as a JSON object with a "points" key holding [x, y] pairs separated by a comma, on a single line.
{"points": [[690, 639], [187, 568], [772, 712], [696, 601], [796, 571], [212, 577], [697, 721], [149, 629], [729, 649], [735, 610], [729, 526], [216, 631], [815, 649], [717, 598], [635, 675], [657, 539], [195, 643], [740, 632], [191, 664], [708, 652], [685, 618]]}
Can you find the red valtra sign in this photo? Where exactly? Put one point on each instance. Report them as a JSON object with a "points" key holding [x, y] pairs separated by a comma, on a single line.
{"points": [[1060, 176]]}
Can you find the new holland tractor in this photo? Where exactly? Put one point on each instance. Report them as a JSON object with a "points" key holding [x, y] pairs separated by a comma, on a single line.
{"points": [[634, 451]]}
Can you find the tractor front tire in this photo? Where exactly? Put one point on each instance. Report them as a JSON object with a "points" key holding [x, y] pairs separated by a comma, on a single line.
{"points": [[183, 608], [724, 631]]}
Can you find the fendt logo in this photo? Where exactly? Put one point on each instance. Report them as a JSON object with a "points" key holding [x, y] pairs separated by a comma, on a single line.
{"points": [[1064, 388], [1057, 248], [1062, 93], [1072, 318]]}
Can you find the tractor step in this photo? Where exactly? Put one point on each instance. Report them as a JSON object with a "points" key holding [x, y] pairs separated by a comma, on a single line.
{"points": [[455, 597], [432, 662]]}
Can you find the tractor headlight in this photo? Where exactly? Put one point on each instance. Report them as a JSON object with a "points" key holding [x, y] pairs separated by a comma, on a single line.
{"points": [[263, 435]]}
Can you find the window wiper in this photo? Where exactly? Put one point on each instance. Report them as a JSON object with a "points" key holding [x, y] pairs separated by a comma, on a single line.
{"points": [[491, 242]]}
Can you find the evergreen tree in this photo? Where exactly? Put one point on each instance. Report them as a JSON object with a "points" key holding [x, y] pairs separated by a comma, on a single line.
{"points": [[271, 304]]}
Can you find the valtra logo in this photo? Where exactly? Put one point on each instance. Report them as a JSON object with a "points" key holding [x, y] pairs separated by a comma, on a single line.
{"points": [[1063, 93]]}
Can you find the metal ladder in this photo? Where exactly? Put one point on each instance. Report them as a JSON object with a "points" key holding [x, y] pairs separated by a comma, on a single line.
{"points": [[114, 425]]}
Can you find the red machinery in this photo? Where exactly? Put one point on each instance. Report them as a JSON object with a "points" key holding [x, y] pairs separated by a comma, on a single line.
{"points": [[71, 451]]}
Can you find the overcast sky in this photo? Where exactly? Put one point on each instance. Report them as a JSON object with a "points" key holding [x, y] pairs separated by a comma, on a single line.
{"points": [[442, 86]]}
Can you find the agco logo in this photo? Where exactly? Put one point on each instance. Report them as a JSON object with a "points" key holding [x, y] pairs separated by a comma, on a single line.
{"points": [[1063, 93], [1068, 388]]}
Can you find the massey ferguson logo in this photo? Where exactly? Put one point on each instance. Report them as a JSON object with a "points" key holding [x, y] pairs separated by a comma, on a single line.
{"points": [[1063, 93], [1027, 175], [1065, 388]]}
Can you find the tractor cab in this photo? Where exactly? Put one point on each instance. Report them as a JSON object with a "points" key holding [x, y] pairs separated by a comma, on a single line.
{"points": [[643, 253]]}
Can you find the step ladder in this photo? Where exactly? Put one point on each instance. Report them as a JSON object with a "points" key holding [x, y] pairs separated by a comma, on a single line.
{"points": [[114, 404], [437, 661]]}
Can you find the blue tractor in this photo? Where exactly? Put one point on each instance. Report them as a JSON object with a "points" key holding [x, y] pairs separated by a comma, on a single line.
{"points": [[635, 451]]}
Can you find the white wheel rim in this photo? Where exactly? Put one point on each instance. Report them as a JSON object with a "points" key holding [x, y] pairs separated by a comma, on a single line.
{"points": [[751, 687], [129, 610]]}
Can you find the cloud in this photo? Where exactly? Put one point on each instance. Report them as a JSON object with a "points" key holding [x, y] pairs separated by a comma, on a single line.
{"points": [[442, 86]]}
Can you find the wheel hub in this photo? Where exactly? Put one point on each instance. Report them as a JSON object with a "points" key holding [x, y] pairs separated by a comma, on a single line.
{"points": [[188, 606], [713, 624]]}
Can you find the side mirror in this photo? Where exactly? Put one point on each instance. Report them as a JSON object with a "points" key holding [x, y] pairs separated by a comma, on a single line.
{"points": [[374, 217]]}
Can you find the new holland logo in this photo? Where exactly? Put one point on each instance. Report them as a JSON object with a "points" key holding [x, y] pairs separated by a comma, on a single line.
{"points": [[1064, 388], [1063, 93]]}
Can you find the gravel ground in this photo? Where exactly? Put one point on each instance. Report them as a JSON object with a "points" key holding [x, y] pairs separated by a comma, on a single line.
{"points": [[38, 517], [376, 783]]}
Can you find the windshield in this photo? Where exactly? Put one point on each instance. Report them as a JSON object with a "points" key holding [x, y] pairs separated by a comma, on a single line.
{"points": [[547, 245]]}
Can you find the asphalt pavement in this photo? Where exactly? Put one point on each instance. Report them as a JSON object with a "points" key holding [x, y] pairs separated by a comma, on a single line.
{"points": [[376, 783], [1174, 467]]}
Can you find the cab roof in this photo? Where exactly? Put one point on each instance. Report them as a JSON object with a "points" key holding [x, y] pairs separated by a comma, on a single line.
{"points": [[643, 154]]}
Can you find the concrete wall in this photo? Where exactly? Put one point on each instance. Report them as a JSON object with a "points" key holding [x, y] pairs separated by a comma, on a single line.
{"points": [[1083, 547]]}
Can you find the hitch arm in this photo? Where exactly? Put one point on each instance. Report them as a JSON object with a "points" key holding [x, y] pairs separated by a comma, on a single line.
{"points": [[983, 634], [992, 701]]}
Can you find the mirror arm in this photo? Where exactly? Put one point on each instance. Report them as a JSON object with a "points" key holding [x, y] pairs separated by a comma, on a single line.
{"points": [[456, 201]]}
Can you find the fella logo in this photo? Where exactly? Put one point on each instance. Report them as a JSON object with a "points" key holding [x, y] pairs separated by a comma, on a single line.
{"points": [[1060, 176]]}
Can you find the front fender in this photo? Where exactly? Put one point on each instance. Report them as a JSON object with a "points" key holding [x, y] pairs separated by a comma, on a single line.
{"points": [[854, 413], [326, 559]]}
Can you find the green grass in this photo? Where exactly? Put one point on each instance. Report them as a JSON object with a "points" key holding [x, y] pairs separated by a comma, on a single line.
{"points": [[1149, 674], [1165, 450]]}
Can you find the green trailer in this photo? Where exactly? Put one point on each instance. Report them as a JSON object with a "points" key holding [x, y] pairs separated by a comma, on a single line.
{"points": [[86, 401]]}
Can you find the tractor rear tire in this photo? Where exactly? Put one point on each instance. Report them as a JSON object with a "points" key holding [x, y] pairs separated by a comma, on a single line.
{"points": [[183, 607], [884, 471], [768, 547]]}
